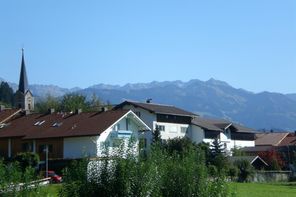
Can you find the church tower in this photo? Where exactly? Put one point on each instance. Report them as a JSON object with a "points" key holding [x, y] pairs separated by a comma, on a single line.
{"points": [[23, 97]]}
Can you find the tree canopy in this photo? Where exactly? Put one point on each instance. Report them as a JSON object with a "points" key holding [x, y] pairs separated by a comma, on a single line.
{"points": [[6, 94]]}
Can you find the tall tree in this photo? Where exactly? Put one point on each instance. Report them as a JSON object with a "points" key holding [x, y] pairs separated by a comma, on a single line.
{"points": [[6, 94], [156, 137]]}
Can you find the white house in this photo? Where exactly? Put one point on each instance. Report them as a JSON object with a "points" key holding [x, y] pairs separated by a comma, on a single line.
{"points": [[175, 122], [231, 134], [171, 121]]}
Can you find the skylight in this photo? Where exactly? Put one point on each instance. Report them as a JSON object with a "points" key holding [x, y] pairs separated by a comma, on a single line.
{"points": [[38, 123]]}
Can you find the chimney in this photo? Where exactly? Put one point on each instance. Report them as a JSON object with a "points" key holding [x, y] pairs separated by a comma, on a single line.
{"points": [[2, 107], [51, 110], [103, 109], [149, 100], [78, 111]]}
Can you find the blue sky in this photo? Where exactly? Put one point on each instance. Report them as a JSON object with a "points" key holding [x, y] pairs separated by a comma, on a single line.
{"points": [[250, 44]]}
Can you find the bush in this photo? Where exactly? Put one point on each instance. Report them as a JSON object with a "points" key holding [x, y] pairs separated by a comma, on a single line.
{"points": [[27, 159], [11, 175], [162, 173], [246, 170]]}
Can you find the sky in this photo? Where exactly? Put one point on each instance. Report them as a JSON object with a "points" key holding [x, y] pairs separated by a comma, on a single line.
{"points": [[250, 44]]}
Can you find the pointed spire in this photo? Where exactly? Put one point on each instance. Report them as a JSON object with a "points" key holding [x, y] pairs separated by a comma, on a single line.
{"points": [[23, 83]]}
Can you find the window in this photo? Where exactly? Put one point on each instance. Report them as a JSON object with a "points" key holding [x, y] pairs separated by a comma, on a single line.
{"points": [[117, 127], [57, 124], [183, 129], [161, 127], [27, 147], [138, 114], [42, 148], [38, 123], [173, 129]]}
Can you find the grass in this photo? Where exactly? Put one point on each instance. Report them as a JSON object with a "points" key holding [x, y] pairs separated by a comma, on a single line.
{"points": [[264, 189], [50, 190], [241, 189]]}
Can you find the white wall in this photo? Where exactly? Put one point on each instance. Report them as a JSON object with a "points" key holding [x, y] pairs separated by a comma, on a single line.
{"points": [[196, 134], [146, 116], [234, 143], [77, 147], [172, 130], [106, 139]]}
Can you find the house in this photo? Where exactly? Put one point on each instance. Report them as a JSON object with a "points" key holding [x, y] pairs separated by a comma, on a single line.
{"points": [[257, 162], [175, 122], [229, 133], [70, 135]]}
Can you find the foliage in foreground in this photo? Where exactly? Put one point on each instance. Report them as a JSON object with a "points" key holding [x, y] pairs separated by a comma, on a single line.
{"points": [[161, 173], [11, 175]]}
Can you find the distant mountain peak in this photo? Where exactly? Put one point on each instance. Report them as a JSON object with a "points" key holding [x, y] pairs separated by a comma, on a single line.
{"points": [[213, 81]]}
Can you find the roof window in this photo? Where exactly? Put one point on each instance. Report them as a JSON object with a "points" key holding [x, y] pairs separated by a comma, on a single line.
{"points": [[57, 124], [38, 123]]}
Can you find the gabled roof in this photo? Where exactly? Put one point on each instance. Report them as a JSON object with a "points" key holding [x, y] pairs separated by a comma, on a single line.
{"points": [[250, 159], [270, 139], [219, 125], [37, 126], [158, 108]]}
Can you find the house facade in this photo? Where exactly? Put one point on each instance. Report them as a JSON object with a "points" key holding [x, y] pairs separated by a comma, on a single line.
{"points": [[71, 135]]}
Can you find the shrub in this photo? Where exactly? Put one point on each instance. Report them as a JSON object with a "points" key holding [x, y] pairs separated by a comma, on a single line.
{"points": [[162, 173], [245, 170], [27, 159]]}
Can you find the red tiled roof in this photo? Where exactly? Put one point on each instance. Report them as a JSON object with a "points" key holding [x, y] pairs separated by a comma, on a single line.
{"points": [[83, 124]]}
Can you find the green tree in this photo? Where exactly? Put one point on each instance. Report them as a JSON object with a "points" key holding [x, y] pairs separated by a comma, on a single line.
{"points": [[95, 103], [246, 170], [27, 159], [72, 102], [237, 152], [218, 157], [156, 136], [49, 102], [6, 94]]}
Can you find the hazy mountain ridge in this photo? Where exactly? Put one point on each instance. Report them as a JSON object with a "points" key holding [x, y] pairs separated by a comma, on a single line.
{"points": [[209, 98]]}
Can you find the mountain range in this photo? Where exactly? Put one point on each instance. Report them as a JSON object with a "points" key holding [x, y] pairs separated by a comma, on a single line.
{"points": [[212, 98]]}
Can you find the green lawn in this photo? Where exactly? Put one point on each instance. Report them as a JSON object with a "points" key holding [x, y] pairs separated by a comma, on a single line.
{"points": [[50, 190], [264, 189], [241, 189]]}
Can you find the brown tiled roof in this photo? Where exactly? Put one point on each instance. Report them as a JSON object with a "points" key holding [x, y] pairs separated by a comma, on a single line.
{"points": [[6, 114], [67, 125], [158, 108], [219, 125], [205, 124], [271, 139], [289, 140]]}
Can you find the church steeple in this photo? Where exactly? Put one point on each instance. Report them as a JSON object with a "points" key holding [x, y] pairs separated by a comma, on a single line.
{"points": [[23, 83], [24, 98]]}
